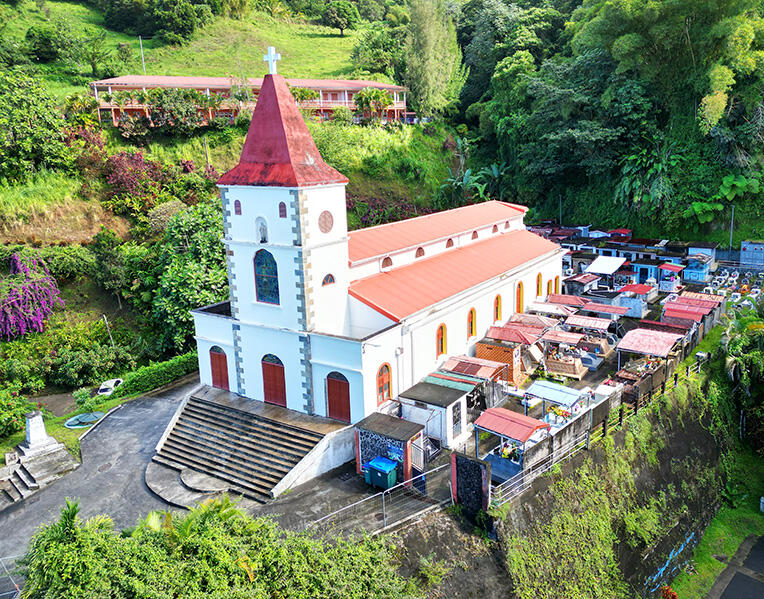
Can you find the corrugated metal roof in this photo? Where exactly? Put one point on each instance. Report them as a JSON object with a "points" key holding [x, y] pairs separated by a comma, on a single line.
{"points": [[705, 308], [555, 336], [684, 314], [390, 426], [558, 394], [550, 308], [606, 265], [648, 342], [671, 267], [461, 386], [588, 322], [403, 291], [532, 320], [716, 299], [567, 300], [605, 309], [638, 288], [512, 425], [413, 232], [515, 334]]}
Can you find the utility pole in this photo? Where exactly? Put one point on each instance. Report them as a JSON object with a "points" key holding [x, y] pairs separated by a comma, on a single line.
{"points": [[108, 328], [143, 62], [732, 220]]}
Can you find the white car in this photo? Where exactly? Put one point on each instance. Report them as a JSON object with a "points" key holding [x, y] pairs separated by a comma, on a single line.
{"points": [[107, 387]]}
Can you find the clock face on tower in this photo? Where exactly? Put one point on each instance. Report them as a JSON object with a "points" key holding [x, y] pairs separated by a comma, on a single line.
{"points": [[325, 221]]}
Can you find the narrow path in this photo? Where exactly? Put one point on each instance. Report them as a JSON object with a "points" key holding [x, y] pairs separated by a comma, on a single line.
{"points": [[743, 578], [110, 479]]}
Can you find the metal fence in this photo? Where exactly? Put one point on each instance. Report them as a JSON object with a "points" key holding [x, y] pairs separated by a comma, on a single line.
{"points": [[10, 582], [392, 506]]}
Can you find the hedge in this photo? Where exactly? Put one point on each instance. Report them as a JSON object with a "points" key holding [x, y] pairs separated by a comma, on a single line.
{"points": [[155, 375], [64, 262]]}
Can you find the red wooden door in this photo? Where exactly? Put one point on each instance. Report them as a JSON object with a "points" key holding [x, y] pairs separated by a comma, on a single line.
{"points": [[219, 366], [338, 392], [274, 387]]}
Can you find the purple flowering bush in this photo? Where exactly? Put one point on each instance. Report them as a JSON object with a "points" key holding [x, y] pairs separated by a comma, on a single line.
{"points": [[27, 297]]}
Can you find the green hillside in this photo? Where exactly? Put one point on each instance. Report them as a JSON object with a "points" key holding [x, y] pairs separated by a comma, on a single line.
{"points": [[226, 47]]}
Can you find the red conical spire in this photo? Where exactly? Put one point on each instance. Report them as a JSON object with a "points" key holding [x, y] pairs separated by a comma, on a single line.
{"points": [[279, 150]]}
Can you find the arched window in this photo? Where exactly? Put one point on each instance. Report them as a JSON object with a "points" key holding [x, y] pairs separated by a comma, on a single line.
{"points": [[495, 229], [387, 262], [519, 300], [471, 323], [506, 224], [539, 285], [237, 208], [384, 389], [557, 284], [419, 253], [497, 308], [261, 230], [549, 287], [266, 278], [440, 341], [474, 235], [282, 210], [450, 243], [328, 280]]}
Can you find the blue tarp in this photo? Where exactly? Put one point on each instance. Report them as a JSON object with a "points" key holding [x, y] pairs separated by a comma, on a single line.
{"points": [[554, 393]]}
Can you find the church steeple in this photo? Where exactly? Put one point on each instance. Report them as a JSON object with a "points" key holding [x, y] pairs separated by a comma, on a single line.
{"points": [[279, 150]]}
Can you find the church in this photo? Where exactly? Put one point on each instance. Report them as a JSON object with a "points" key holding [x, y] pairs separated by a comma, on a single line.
{"points": [[333, 323]]}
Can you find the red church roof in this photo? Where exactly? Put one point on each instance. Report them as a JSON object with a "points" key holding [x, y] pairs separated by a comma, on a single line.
{"points": [[391, 237], [279, 150], [403, 291]]}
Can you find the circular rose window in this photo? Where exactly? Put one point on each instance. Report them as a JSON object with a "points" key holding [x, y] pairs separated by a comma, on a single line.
{"points": [[325, 221]]}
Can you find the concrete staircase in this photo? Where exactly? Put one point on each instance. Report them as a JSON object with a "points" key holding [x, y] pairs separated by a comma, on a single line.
{"points": [[248, 452], [19, 485]]}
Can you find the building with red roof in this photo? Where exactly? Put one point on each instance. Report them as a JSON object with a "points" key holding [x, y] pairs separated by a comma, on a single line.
{"points": [[329, 94], [335, 323]]}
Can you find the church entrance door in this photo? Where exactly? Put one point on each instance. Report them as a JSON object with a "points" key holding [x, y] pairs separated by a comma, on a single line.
{"points": [[219, 366], [338, 395], [274, 387]]}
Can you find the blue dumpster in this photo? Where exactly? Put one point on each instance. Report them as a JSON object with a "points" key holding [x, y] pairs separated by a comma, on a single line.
{"points": [[381, 472]]}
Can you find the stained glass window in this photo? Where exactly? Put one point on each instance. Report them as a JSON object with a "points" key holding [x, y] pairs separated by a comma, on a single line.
{"points": [[266, 278]]}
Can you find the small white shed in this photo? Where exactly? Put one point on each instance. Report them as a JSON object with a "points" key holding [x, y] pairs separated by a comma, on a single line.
{"points": [[442, 410]]}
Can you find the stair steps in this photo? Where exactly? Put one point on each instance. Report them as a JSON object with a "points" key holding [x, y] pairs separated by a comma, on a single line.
{"points": [[247, 451]]}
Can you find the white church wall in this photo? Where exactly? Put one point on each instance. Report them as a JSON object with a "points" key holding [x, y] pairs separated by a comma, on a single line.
{"points": [[323, 218], [335, 354], [259, 202], [256, 342], [362, 320], [211, 331], [381, 349]]}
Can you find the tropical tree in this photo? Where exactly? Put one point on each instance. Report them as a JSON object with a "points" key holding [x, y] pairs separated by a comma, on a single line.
{"points": [[341, 15], [371, 101], [434, 71]]}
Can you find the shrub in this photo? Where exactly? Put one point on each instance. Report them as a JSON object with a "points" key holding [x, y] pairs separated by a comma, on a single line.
{"points": [[13, 408], [87, 366], [342, 115], [63, 262], [27, 297], [155, 375], [160, 216]]}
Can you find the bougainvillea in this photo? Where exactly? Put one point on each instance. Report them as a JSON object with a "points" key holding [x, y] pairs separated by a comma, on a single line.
{"points": [[27, 297], [13, 407]]}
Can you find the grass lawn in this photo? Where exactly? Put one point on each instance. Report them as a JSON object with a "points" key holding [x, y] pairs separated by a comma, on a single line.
{"points": [[726, 531], [235, 48], [226, 47]]}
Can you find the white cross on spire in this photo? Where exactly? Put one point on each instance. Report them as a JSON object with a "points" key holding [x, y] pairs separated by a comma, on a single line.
{"points": [[271, 59]]}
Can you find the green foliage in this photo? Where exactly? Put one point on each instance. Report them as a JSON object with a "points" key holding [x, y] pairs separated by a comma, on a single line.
{"points": [[342, 115], [32, 128], [214, 550], [155, 375], [381, 50], [431, 570], [193, 271], [434, 71], [65, 262], [340, 14], [13, 407], [67, 353], [548, 561], [371, 101]]}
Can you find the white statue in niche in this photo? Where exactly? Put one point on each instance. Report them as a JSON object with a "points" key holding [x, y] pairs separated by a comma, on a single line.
{"points": [[262, 230]]}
